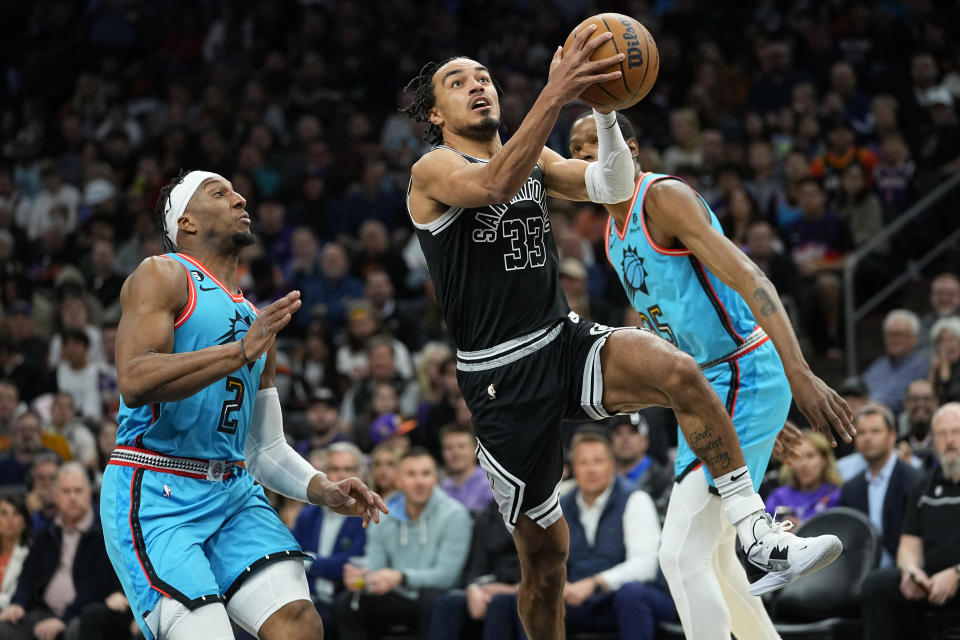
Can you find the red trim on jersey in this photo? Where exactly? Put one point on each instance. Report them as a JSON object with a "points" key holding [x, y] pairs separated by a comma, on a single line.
{"points": [[736, 385], [643, 223], [633, 201], [718, 300], [199, 265], [160, 453], [133, 538], [191, 301], [606, 240], [185, 474]]}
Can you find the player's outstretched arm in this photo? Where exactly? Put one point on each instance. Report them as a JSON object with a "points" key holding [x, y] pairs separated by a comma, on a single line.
{"points": [[675, 208], [610, 180], [147, 371], [444, 177], [275, 465]]}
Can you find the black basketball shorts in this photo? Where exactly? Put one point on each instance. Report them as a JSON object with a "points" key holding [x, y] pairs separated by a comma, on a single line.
{"points": [[519, 392]]}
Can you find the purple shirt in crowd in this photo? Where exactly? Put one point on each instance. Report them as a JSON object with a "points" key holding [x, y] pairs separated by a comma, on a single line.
{"points": [[474, 493], [804, 503]]}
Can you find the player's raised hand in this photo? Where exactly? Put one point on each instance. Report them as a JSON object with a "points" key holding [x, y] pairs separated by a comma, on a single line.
{"points": [[573, 72], [824, 409], [351, 497], [269, 321]]}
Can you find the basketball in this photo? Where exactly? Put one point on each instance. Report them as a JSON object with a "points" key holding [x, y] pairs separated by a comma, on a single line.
{"points": [[639, 67]]}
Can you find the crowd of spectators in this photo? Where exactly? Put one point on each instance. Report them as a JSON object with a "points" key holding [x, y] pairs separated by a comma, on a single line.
{"points": [[806, 127]]}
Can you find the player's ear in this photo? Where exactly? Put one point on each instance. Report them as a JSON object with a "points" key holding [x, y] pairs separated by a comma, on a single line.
{"points": [[634, 147], [434, 116], [187, 223]]}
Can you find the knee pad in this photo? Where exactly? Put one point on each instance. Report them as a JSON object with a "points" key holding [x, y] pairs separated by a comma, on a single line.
{"points": [[266, 591]]}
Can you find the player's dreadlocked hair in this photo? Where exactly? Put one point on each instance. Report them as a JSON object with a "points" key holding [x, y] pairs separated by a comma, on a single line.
{"points": [[424, 99], [158, 218]]}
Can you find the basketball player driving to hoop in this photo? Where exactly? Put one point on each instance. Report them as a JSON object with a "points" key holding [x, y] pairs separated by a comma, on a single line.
{"points": [[524, 361]]}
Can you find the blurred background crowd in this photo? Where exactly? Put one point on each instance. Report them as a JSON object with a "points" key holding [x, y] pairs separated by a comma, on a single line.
{"points": [[807, 126]]}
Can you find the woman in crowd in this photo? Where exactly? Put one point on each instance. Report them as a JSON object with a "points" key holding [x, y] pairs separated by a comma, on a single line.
{"points": [[15, 534], [810, 485]]}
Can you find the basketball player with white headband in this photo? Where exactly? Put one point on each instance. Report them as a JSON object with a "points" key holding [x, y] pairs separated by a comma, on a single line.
{"points": [[191, 536]]}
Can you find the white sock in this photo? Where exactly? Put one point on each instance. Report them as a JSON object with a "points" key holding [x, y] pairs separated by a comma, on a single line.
{"points": [[740, 502]]}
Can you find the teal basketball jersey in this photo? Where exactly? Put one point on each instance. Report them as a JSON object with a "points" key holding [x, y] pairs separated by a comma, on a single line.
{"points": [[214, 422], [676, 296]]}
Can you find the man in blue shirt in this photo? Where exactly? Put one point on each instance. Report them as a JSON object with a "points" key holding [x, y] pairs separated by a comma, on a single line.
{"points": [[880, 490]]}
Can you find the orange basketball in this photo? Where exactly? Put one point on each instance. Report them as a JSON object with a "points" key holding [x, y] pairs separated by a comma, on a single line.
{"points": [[639, 67]]}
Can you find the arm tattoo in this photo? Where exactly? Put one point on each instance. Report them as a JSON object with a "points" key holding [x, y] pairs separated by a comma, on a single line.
{"points": [[767, 305], [709, 449]]}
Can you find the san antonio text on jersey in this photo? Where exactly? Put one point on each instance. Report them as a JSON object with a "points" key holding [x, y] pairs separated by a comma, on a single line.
{"points": [[494, 268]]}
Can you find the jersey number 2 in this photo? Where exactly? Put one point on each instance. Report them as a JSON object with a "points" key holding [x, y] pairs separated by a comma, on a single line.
{"points": [[228, 422]]}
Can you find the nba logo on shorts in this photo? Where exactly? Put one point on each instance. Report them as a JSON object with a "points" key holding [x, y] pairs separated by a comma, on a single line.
{"points": [[166, 491]]}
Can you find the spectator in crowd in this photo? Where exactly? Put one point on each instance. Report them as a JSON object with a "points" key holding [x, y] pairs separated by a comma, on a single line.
{"points": [[858, 205], [796, 167], [818, 243], [399, 318], [612, 568], [810, 485], [106, 443], [78, 375], [944, 303], [103, 280], [842, 151], [915, 440], [64, 423], [762, 247], [74, 314], [945, 371], [939, 147], [739, 212], [362, 324], [67, 567], [893, 175], [492, 576], [428, 371], [325, 295], [376, 254], [15, 536], [107, 384], [441, 408], [313, 366], [55, 197], [631, 441], [384, 464], [928, 557], [322, 418], [763, 185], [22, 329], [31, 378], [26, 444], [888, 376], [410, 556], [881, 490], [685, 150], [330, 538], [390, 428], [41, 486], [10, 406], [357, 411], [463, 479]]}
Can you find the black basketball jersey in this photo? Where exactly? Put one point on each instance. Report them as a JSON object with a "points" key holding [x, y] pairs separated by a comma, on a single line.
{"points": [[495, 268]]}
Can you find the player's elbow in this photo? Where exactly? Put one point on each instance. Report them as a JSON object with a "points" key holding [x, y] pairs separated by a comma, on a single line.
{"points": [[133, 395]]}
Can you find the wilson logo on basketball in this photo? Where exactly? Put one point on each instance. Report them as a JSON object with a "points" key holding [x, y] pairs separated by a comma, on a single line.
{"points": [[632, 39]]}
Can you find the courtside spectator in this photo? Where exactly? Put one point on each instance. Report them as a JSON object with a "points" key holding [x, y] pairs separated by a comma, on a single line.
{"points": [[463, 480], [889, 375], [928, 557]]}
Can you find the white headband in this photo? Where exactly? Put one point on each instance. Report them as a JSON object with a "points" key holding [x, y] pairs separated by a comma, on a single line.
{"points": [[179, 197]]}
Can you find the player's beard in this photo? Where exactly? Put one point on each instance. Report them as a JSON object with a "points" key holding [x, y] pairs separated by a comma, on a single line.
{"points": [[483, 130], [241, 240]]}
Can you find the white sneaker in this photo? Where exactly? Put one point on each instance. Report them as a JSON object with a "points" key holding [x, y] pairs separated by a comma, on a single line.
{"points": [[777, 557]]}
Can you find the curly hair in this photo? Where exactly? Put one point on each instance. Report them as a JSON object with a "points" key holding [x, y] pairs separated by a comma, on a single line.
{"points": [[424, 99], [160, 208]]}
